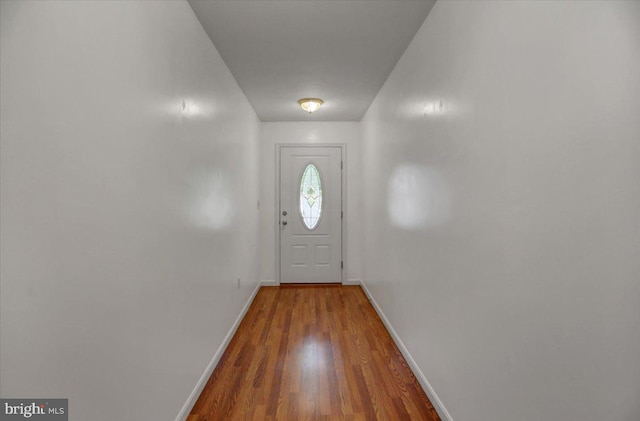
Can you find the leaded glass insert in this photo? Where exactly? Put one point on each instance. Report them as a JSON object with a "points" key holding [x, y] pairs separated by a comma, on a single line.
{"points": [[310, 197]]}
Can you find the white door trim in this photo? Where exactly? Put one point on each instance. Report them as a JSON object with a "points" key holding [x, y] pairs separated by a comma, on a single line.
{"points": [[343, 154]]}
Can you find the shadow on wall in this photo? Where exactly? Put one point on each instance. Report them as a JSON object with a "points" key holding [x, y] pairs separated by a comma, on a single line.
{"points": [[418, 198], [212, 200]]}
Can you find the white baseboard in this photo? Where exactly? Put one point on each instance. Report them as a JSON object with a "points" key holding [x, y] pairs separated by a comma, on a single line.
{"points": [[352, 282], [431, 394], [269, 283], [195, 394]]}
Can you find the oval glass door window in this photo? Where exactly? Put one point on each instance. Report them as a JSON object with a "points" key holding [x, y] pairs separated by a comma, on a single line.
{"points": [[310, 197]]}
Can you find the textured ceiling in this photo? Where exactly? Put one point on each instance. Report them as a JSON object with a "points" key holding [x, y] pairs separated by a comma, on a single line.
{"points": [[339, 50]]}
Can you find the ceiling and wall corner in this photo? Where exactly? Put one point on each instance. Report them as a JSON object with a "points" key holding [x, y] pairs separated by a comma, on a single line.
{"points": [[339, 51]]}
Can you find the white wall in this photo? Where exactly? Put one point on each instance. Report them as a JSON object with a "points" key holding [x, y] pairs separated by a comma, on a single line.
{"points": [[347, 133], [125, 219], [502, 231]]}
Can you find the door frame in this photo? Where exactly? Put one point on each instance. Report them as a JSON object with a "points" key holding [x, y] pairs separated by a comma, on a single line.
{"points": [[343, 245]]}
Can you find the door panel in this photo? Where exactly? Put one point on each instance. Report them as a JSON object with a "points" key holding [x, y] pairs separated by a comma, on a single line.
{"points": [[310, 255]]}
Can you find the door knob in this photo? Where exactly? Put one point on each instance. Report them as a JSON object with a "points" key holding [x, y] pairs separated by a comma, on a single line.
{"points": [[284, 222]]}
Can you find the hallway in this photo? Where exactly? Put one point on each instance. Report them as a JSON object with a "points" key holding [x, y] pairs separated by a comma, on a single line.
{"points": [[158, 169], [312, 352]]}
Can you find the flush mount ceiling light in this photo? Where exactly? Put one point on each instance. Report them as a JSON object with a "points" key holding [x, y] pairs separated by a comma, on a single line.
{"points": [[310, 104]]}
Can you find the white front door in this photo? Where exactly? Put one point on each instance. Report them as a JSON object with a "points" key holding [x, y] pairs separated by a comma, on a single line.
{"points": [[310, 214]]}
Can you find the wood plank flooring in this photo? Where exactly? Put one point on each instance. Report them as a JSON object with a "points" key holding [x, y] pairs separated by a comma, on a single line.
{"points": [[315, 352]]}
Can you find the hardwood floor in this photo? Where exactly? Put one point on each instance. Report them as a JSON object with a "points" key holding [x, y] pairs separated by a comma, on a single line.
{"points": [[312, 353]]}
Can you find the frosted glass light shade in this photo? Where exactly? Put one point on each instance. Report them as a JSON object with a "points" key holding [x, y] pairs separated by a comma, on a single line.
{"points": [[310, 104]]}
